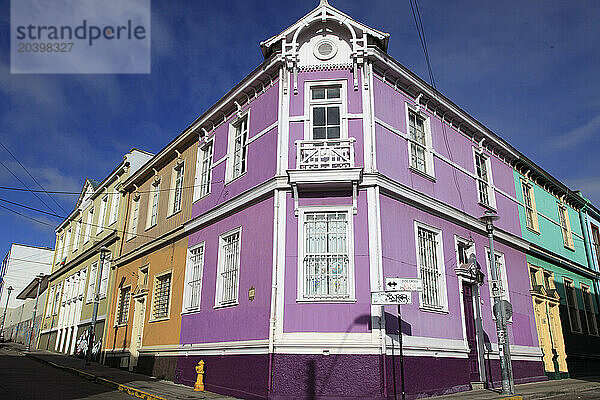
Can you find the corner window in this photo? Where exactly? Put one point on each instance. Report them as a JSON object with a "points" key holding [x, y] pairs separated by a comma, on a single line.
{"points": [[102, 215], [162, 296], [133, 222], [588, 305], [228, 268], [203, 170], [483, 170], [193, 277], [326, 262], [123, 307], [153, 205], [565, 226], [430, 267], [531, 219], [177, 188], [238, 148], [572, 305]]}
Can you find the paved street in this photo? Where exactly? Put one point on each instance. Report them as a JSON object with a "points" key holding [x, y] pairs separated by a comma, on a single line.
{"points": [[24, 379]]}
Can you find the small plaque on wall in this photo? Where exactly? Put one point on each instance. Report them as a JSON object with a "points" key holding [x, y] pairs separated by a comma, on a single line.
{"points": [[251, 293]]}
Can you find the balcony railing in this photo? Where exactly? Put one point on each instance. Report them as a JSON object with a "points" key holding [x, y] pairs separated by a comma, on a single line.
{"points": [[325, 154]]}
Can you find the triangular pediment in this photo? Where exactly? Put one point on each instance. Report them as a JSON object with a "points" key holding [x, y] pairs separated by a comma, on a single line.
{"points": [[89, 186]]}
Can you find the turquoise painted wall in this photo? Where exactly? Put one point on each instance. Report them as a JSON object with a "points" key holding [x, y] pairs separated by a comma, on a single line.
{"points": [[550, 235]]}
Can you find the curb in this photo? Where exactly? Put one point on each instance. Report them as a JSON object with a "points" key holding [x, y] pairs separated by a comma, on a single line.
{"points": [[137, 393]]}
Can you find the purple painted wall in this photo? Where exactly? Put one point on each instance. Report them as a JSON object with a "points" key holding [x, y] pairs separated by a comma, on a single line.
{"points": [[354, 103], [400, 259], [329, 317], [249, 319], [393, 161], [262, 153]]}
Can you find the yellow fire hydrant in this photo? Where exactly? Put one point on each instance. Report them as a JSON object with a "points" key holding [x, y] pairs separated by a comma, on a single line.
{"points": [[199, 386]]}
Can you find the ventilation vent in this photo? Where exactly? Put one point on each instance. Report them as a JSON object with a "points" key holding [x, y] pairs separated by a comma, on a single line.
{"points": [[325, 49]]}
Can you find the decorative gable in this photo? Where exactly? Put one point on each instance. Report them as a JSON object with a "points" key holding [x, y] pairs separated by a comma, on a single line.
{"points": [[325, 38]]}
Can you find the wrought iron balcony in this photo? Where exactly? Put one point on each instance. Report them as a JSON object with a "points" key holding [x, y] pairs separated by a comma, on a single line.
{"points": [[325, 154]]}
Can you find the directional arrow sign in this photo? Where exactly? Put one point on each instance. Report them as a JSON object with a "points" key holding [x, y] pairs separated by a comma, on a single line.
{"points": [[404, 284], [389, 298]]}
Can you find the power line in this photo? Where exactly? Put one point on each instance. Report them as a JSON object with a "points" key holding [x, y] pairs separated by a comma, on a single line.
{"points": [[27, 187], [30, 208], [28, 217], [32, 177]]}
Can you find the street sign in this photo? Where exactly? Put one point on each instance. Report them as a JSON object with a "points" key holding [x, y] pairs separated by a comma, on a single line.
{"points": [[404, 284], [508, 310], [391, 298]]}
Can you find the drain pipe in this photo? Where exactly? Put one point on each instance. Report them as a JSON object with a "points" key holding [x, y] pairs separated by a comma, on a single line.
{"points": [[273, 291], [588, 250]]}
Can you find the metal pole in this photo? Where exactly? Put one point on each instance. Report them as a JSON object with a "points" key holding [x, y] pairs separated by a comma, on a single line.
{"points": [[479, 332], [10, 289], [401, 353], [37, 295], [503, 345], [92, 329]]}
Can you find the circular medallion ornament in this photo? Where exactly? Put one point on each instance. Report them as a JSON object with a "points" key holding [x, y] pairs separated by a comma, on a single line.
{"points": [[325, 49]]}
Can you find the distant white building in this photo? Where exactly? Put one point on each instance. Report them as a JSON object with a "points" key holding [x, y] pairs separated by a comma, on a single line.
{"points": [[20, 266]]}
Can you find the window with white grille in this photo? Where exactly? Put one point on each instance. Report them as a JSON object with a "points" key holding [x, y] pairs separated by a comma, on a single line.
{"points": [[228, 268], [418, 144], [430, 266], [204, 169], [484, 180], [123, 309], [135, 213], [565, 226], [588, 306], [572, 305], [238, 148], [88, 225], [531, 220], [61, 248], [102, 215], [193, 277], [114, 207], [162, 295], [177, 188], [325, 255], [104, 278], [326, 110], [92, 282], [77, 235], [153, 205]]}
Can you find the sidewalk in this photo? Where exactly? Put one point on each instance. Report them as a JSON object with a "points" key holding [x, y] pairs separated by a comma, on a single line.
{"points": [[137, 385], [588, 388]]}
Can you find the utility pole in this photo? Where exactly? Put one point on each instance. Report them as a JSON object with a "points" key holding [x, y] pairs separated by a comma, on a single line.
{"points": [[88, 355], [503, 344], [10, 289], [39, 279]]}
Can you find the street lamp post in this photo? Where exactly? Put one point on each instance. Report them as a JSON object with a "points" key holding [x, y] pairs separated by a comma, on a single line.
{"points": [[503, 344], [39, 279], [10, 289], [103, 252]]}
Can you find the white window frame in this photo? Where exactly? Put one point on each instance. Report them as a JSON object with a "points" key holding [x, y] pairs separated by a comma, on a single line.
{"points": [[77, 234], [190, 282], [309, 104], [302, 297], [176, 190], [219, 301], [89, 222], [567, 233], [103, 289], [68, 240], [92, 282], [200, 189], [490, 176], [460, 240], [429, 164], [570, 281], [134, 218], [157, 277], [61, 246], [118, 314], [230, 174], [503, 276], [57, 299], [443, 290], [50, 302], [527, 190], [114, 207], [102, 215], [153, 193]]}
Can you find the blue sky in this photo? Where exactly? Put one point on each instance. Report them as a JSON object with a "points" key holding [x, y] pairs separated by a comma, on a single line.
{"points": [[527, 70]]}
